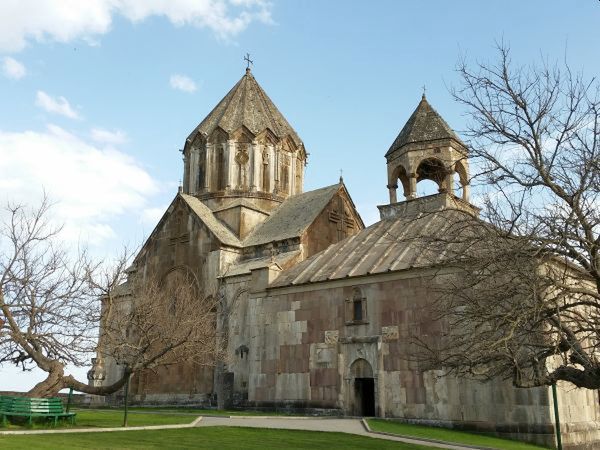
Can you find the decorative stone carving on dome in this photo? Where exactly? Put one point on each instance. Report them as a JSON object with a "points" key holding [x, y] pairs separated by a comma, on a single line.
{"points": [[266, 138], [265, 170], [288, 146], [241, 158], [218, 136]]}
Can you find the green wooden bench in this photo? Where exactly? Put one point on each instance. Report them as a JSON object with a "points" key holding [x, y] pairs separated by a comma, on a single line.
{"points": [[34, 407], [4, 404]]}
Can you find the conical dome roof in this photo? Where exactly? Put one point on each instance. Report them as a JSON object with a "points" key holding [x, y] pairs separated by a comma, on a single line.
{"points": [[246, 104], [425, 124]]}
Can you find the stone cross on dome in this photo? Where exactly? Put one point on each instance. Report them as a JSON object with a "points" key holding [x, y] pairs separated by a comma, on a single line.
{"points": [[248, 62]]}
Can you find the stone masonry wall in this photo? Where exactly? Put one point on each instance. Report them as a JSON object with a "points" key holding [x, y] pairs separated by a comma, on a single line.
{"points": [[304, 349]]}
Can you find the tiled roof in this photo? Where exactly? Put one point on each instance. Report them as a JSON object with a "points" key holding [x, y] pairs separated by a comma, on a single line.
{"points": [[293, 217], [425, 124], [387, 246], [246, 104]]}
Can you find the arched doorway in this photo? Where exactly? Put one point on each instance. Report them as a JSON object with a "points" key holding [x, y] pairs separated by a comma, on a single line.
{"points": [[363, 388]]}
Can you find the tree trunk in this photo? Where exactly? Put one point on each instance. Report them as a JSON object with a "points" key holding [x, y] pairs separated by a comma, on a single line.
{"points": [[56, 381], [53, 383]]}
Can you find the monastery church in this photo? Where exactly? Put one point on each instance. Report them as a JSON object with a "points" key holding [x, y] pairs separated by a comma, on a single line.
{"points": [[322, 307]]}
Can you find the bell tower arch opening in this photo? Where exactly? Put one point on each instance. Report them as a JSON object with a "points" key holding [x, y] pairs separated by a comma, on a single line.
{"points": [[434, 171]]}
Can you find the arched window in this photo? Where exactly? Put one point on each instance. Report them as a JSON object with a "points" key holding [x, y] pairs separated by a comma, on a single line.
{"points": [[201, 173], [285, 174], [221, 168], [356, 308]]}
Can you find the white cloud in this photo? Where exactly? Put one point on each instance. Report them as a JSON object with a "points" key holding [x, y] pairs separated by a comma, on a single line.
{"points": [[66, 20], [182, 83], [92, 187], [116, 137], [58, 105], [151, 216], [13, 69]]}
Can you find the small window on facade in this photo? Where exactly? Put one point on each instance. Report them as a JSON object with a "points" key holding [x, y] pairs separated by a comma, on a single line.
{"points": [[356, 308]]}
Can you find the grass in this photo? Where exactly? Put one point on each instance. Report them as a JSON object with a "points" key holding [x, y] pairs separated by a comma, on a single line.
{"points": [[443, 434], [100, 419], [205, 438]]}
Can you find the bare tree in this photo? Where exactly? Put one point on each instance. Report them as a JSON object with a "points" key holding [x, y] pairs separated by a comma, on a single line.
{"points": [[149, 323], [521, 295], [54, 302]]}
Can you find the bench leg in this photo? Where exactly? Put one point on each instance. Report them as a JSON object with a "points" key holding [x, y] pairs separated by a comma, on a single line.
{"points": [[30, 421], [4, 421]]}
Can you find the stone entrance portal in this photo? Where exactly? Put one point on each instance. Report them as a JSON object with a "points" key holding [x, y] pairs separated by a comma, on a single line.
{"points": [[364, 394], [363, 402]]}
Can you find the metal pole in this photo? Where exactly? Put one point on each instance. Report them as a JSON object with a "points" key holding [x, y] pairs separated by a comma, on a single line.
{"points": [[556, 418], [69, 398], [126, 400]]}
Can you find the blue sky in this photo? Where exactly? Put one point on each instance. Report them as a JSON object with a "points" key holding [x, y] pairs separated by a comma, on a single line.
{"points": [[97, 97]]}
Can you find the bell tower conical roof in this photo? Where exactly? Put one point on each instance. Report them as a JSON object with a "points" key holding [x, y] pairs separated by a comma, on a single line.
{"points": [[248, 105], [425, 124]]}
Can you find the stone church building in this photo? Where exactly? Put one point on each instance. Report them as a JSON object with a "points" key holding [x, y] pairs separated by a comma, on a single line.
{"points": [[322, 307]]}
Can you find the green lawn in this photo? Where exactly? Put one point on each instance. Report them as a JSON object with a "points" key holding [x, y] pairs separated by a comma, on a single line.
{"points": [[443, 434], [205, 438], [97, 419]]}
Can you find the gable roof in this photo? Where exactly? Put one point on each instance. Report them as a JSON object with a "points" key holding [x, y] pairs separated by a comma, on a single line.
{"points": [[425, 124], [220, 231], [390, 245], [248, 105], [293, 216]]}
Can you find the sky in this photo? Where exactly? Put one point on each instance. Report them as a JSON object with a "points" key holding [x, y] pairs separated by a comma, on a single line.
{"points": [[97, 97]]}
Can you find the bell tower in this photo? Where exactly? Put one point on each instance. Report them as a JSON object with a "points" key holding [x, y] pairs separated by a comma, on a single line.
{"points": [[427, 149]]}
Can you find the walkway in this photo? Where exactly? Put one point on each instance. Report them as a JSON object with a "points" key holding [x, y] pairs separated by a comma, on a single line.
{"points": [[351, 426]]}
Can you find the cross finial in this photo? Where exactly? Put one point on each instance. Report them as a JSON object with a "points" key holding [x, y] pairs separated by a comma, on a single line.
{"points": [[248, 62], [341, 176], [424, 91]]}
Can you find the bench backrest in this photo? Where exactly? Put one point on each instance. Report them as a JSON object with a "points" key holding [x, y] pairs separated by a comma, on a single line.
{"points": [[5, 401], [26, 405]]}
